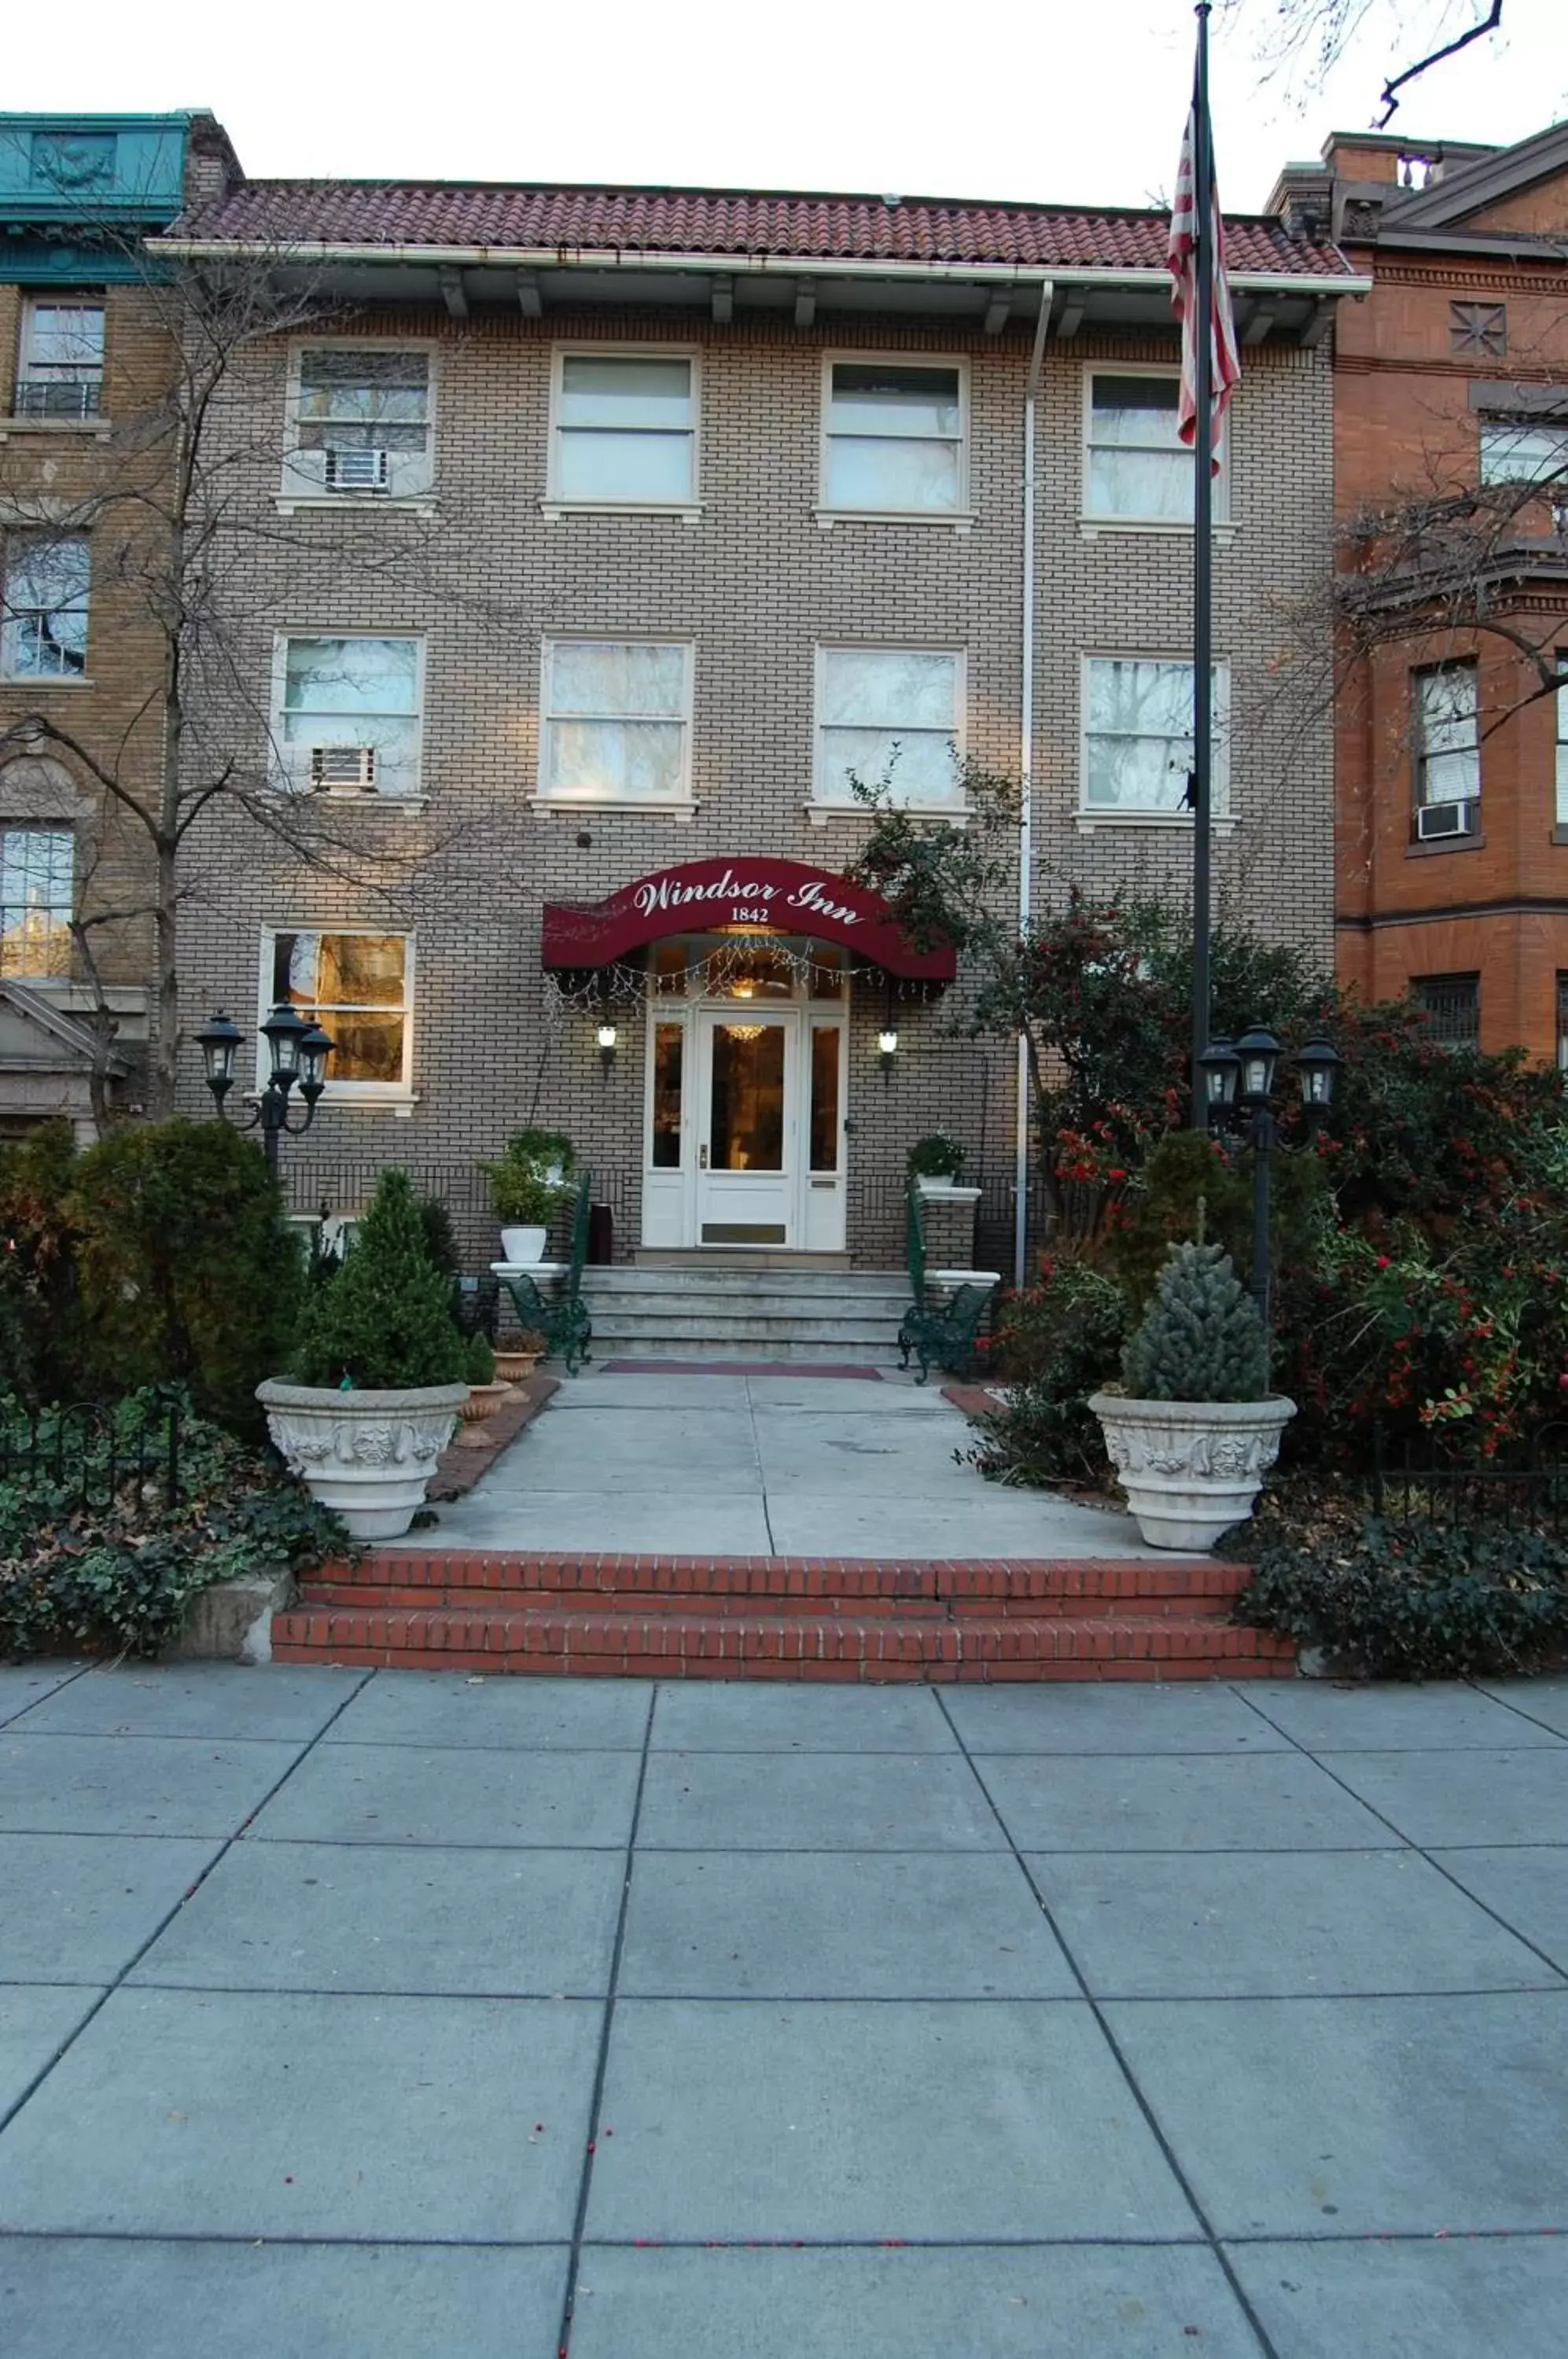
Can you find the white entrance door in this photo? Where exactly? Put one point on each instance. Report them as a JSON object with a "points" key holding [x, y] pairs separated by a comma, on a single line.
{"points": [[748, 1127]]}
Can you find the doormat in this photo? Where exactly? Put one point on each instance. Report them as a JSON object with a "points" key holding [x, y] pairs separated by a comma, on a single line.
{"points": [[740, 1368]]}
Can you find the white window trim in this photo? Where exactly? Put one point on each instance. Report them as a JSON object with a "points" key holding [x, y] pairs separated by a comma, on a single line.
{"points": [[291, 500], [401, 1097], [277, 744], [1420, 753], [1090, 816], [1091, 525], [554, 504], [13, 530], [955, 519], [823, 808], [680, 806]]}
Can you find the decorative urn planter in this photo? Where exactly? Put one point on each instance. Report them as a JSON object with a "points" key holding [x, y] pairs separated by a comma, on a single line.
{"points": [[524, 1247], [367, 1455], [511, 1367], [1190, 1469]]}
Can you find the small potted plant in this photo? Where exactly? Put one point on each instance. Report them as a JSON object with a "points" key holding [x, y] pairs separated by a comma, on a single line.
{"points": [[525, 1181], [520, 1358], [378, 1380], [485, 1393], [1194, 1428], [936, 1166]]}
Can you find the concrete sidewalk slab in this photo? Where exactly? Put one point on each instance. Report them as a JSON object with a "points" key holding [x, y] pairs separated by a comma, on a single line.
{"points": [[23, 1684], [68, 2297], [439, 1707], [716, 1717], [76, 1909], [1465, 1796], [373, 2117], [814, 1801], [642, 1449], [668, 1523], [1073, 2302], [953, 1525], [854, 2122], [134, 1786], [802, 1925], [1084, 1717], [1443, 1716], [325, 1917], [1271, 1924], [1524, 1884], [404, 1794], [1544, 1701], [291, 1702], [1460, 2297], [36, 2022], [1271, 1801], [1384, 2117]]}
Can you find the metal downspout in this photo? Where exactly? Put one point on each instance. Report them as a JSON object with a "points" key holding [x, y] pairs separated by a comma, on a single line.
{"points": [[1026, 777]]}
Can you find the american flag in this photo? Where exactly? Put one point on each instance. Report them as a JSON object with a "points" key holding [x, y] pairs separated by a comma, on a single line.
{"points": [[1182, 256]]}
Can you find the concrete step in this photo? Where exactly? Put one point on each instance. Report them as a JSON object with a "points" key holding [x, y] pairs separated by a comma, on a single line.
{"points": [[741, 1285], [738, 1326]]}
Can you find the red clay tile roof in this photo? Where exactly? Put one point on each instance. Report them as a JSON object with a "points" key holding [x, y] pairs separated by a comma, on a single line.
{"points": [[719, 222]]}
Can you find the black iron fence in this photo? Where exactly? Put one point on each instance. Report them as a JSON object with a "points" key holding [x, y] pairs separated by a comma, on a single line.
{"points": [[95, 1453], [1425, 1482]]}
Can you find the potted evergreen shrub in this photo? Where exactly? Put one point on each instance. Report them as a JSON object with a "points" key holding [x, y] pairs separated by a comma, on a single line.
{"points": [[1194, 1428], [936, 1166], [378, 1379], [487, 1391], [526, 1180]]}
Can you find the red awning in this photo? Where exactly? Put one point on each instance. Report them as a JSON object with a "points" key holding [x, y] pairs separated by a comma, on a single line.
{"points": [[701, 896]]}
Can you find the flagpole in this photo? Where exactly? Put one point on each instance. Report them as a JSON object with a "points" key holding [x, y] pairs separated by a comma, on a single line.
{"points": [[1203, 562]]}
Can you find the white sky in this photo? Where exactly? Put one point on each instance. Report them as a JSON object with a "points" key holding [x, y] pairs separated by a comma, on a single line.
{"points": [[1078, 101]]}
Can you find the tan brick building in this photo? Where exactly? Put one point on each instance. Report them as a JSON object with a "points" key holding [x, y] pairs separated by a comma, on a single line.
{"points": [[1451, 419], [86, 358], [605, 532]]}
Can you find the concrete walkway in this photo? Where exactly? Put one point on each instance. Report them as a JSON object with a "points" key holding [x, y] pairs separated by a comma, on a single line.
{"points": [[350, 2016], [776, 1465]]}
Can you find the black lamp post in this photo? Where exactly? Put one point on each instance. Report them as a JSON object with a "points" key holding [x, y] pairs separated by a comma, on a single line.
{"points": [[297, 1053], [1235, 1080]]}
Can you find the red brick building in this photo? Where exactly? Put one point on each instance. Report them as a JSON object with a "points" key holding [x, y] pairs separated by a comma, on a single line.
{"points": [[1451, 428]]}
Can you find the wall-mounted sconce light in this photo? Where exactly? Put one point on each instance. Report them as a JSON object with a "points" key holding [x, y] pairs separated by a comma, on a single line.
{"points": [[606, 1047], [887, 1049]]}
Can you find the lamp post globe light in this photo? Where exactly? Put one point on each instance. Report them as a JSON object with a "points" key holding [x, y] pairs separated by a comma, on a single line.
{"points": [[296, 1058], [1235, 1082]]}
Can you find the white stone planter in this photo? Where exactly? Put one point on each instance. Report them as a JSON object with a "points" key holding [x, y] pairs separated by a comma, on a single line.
{"points": [[945, 1192], [367, 1455], [1190, 1469], [523, 1247]]}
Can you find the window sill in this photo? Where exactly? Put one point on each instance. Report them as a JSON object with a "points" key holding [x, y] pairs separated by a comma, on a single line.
{"points": [[1560, 834], [954, 519], [569, 806], [39, 682], [1440, 843], [1086, 822], [354, 795], [1090, 527], [823, 814], [680, 511], [363, 1097], [421, 504], [92, 430]]}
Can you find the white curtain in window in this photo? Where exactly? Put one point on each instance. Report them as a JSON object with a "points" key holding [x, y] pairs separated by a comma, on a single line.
{"points": [[617, 720], [1138, 467], [888, 713], [894, 436], [625, 430], [1138, 738], [1450, 742]]}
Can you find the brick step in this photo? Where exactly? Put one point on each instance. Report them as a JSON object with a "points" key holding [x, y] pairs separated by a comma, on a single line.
{"points": [[628, 1597], [699, 1644]]}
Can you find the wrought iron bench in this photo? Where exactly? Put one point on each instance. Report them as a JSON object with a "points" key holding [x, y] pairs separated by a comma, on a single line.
{"points": [[946, 1335], [561, 1318]]}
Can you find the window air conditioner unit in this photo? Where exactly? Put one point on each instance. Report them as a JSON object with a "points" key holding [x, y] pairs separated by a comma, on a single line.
{"points": [[1444, 819], [343, 767], [356, 471]]}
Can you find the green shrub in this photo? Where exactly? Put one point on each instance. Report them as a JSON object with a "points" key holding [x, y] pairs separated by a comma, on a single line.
{"points": [[479, 1367], [385, 1323], [41, 1336], [187, 1270], [522, 1196], [440, 1239], [1428, 1601], [1202, 1338], [121, 1573], [1055, 1344], [936, 1157]]}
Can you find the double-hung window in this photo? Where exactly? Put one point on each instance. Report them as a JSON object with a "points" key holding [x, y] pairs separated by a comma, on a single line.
{"points": [[625, 429], [60, 367], [1452, 1006], [616, 720], [43, 610], [347, 715], [360, 422], [1525, 450], [1136, 471], [37, 874], [894, 437], [1138, 736], [359, 987], [893, 716], [1448, 744]]}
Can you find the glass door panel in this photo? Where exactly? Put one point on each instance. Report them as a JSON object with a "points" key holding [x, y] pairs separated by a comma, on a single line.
{"points": [[746, 1128], [825, 1038]]}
